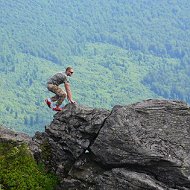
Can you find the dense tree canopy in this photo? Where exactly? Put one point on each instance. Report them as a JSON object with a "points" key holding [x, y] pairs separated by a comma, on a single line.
{"points": [[121, 51]]}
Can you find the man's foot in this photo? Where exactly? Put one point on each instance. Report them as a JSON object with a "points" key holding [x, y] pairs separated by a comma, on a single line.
{"points": [[48, 102], [57, 108]]}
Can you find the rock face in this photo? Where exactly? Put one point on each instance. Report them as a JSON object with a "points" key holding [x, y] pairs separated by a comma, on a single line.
{"points": [[7, 135], [18, 138], [71, 133], [140, 146]]}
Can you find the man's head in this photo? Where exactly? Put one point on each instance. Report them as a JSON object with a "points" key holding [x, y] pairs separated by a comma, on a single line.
{"points": [[69, 71]]}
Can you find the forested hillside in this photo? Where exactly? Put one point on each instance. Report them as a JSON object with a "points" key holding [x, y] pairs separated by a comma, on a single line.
{"points": [[121, 51]]}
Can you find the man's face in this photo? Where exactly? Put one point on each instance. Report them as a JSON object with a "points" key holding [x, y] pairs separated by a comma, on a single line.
{"points": [[69, 72]]}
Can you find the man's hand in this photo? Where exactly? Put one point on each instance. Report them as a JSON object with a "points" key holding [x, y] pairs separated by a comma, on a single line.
{"points": [[72, 101], [69, 94]]}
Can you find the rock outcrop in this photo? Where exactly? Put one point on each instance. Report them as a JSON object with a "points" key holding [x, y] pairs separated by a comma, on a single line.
{"points": [[140, 146]]}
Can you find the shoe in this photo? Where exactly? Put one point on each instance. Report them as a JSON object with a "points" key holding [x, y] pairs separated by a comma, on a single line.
{"points": [[57, 108], [48, 103]]}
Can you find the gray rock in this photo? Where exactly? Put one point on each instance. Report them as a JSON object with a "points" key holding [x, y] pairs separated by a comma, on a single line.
{"points": [[122, 179], [139, 146], [152, 136], [10, 135], [69, 136]]}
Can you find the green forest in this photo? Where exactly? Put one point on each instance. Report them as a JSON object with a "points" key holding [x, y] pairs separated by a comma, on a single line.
{"points": [[121, 51], [19, 170]]}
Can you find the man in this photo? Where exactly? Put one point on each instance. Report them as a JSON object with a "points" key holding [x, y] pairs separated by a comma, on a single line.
{"points": [[53, 86]]}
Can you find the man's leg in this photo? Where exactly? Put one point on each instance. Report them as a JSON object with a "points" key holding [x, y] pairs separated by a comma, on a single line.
{"points": [[60, 94], [54, 98]]}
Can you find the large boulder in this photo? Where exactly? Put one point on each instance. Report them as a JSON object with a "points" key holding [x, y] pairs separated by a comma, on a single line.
{"points": [[69, 136], [151, 137], [140, 146]]}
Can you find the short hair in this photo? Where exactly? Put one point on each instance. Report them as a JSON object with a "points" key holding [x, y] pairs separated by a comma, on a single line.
{"points": [[68, 68]]}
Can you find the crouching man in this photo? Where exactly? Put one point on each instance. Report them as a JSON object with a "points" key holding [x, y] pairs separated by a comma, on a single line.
{"points": [[60, 95]]}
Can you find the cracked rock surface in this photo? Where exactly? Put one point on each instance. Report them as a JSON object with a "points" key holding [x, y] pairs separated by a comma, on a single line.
{"points": [[145, 146]]}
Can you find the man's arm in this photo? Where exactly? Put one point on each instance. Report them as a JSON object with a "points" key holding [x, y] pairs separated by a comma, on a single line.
{"points": [[68, 90]]}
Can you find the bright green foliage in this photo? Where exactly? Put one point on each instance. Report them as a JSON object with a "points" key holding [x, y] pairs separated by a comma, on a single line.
{"points": [[19, 170]]}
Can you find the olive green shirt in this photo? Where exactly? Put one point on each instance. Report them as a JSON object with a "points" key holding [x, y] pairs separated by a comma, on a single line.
{"points": [[58, 78]]}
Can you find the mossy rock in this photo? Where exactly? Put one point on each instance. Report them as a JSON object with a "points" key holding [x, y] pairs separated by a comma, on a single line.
{"points": [[46, 151]]}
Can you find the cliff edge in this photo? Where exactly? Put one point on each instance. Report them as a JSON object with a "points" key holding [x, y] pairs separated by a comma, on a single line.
{"points": [[140, 146]]}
